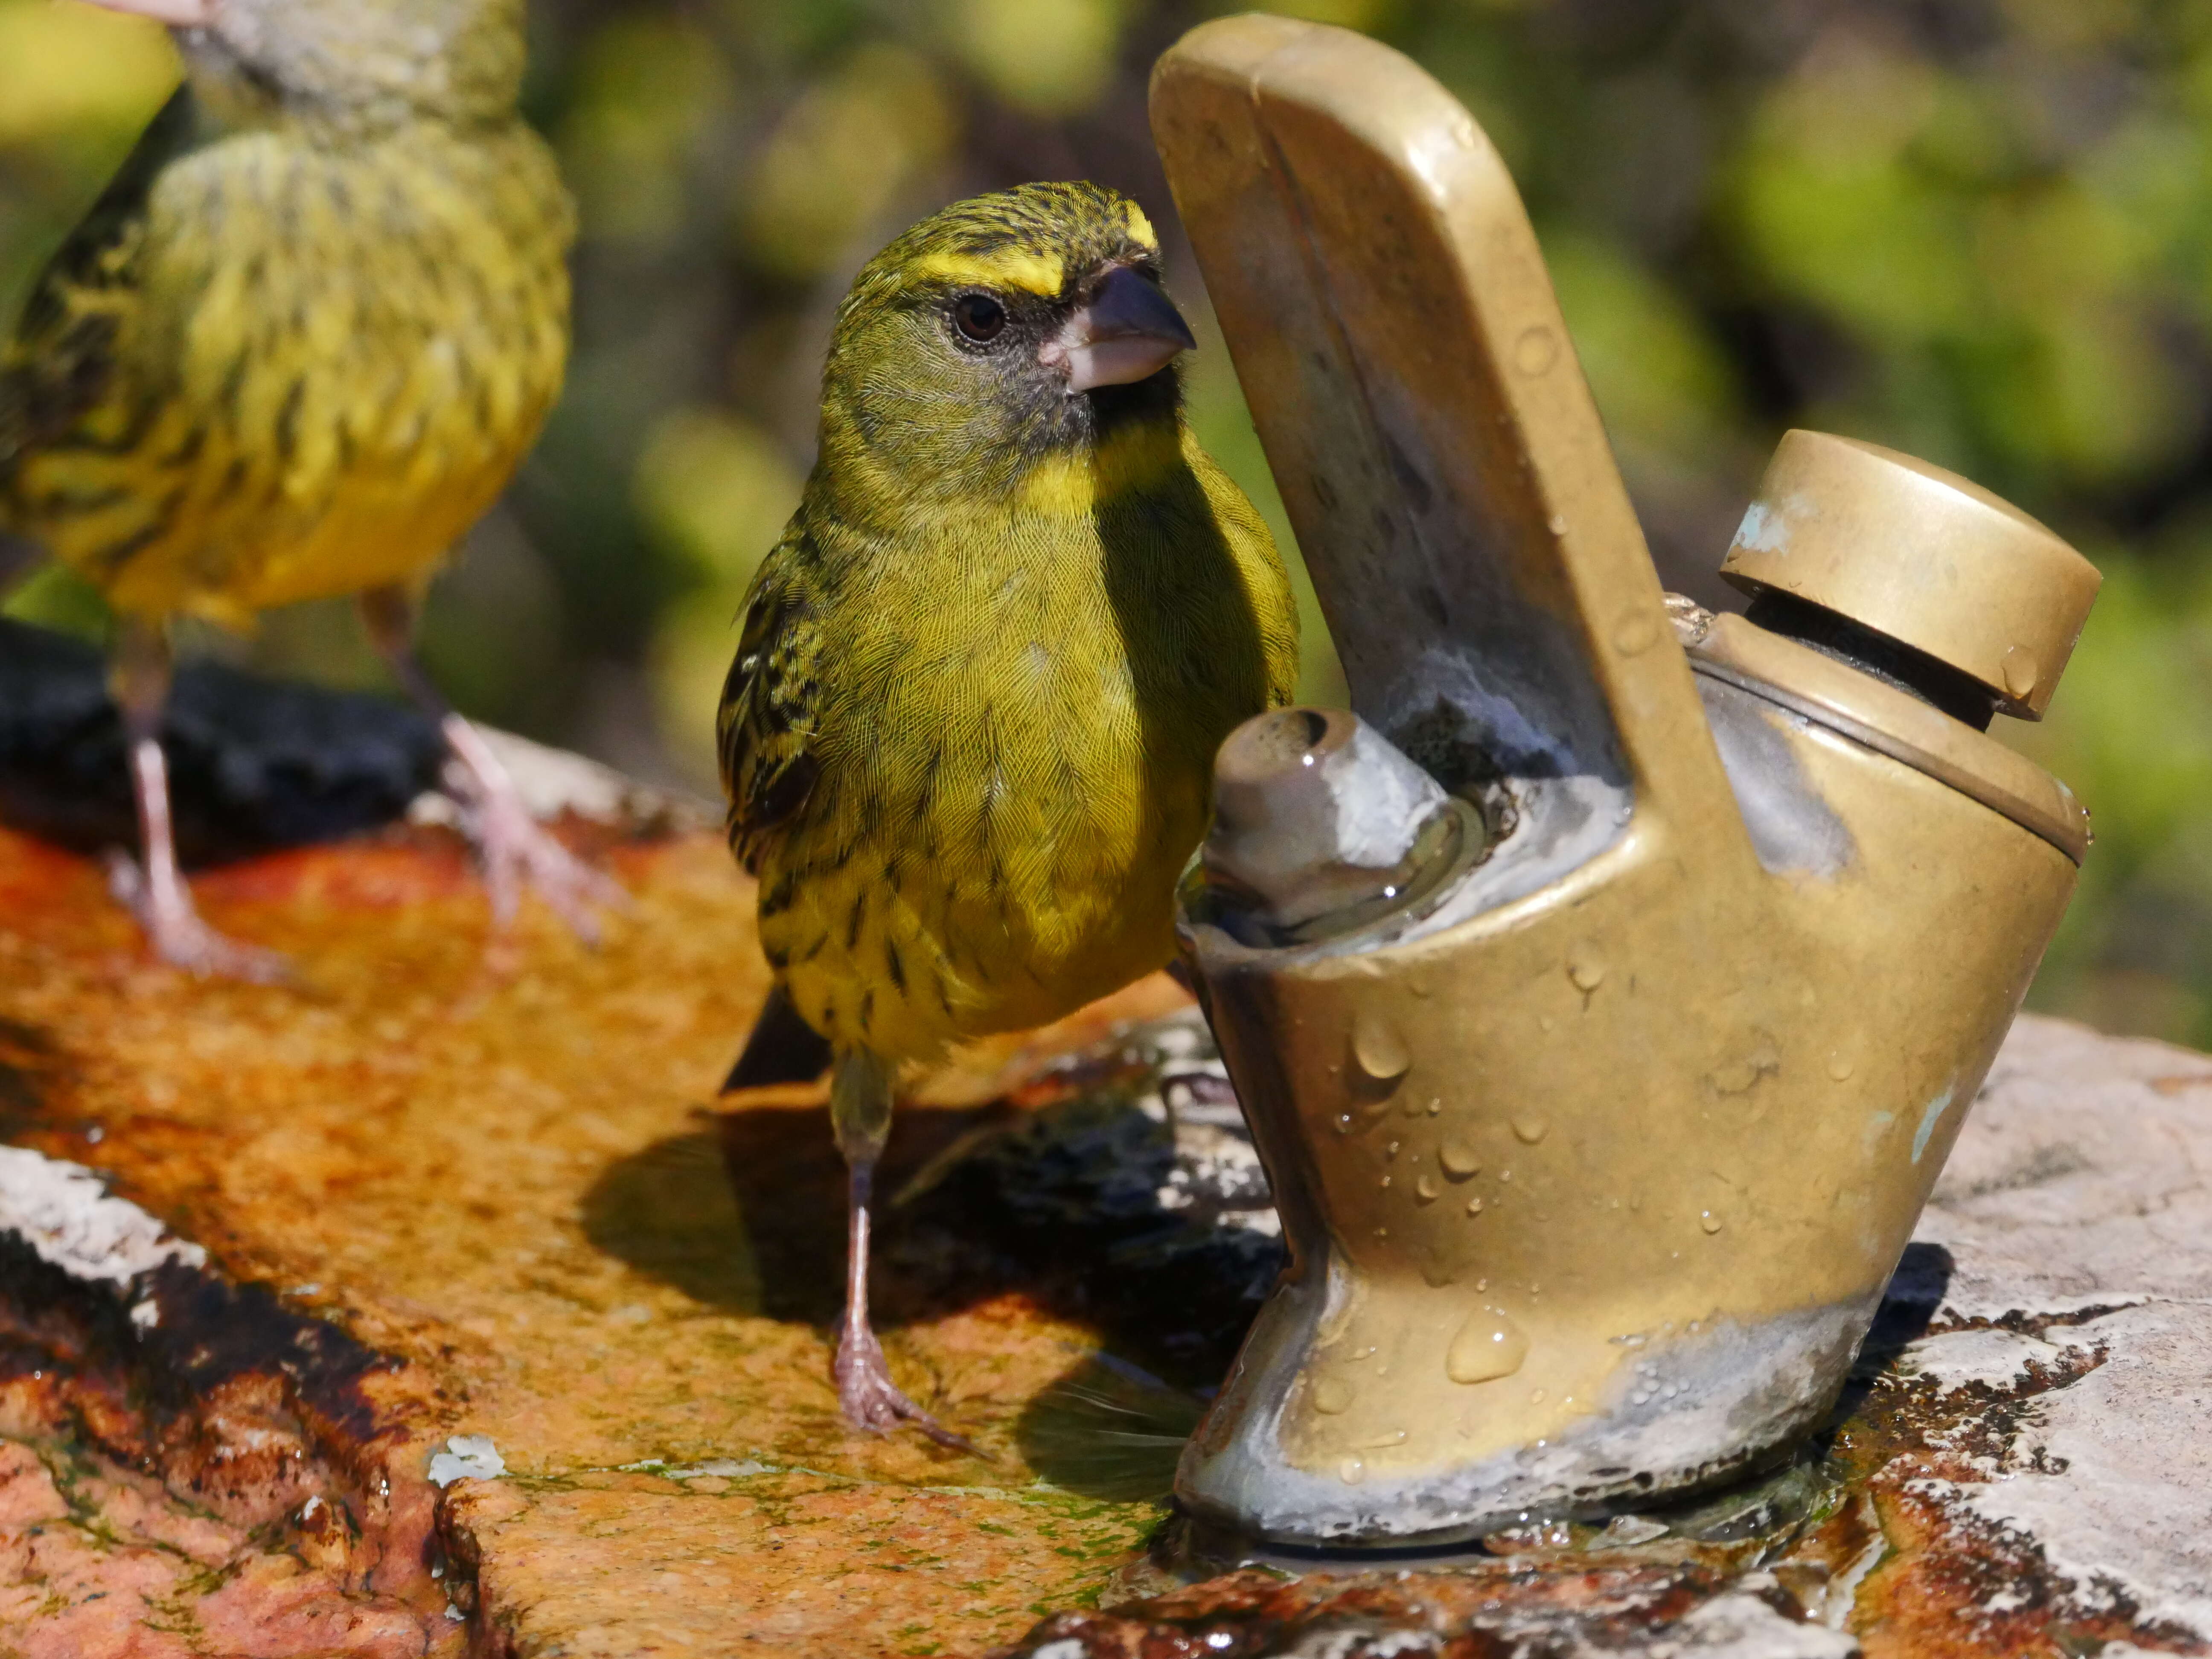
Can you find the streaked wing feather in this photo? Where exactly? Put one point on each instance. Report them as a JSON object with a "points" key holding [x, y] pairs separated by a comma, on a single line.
{"points": [[766, 726], [60, 363]]}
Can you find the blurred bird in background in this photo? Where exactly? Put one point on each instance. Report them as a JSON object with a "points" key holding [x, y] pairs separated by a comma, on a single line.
{"points": [[969, 737], [294, 351]]}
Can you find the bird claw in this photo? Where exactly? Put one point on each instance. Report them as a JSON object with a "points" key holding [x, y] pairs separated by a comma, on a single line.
{"points": [[181, 938], [873, 1402], [517, 852]]}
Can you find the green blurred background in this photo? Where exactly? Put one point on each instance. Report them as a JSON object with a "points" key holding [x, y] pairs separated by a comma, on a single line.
{"points": [[1978, 230]]}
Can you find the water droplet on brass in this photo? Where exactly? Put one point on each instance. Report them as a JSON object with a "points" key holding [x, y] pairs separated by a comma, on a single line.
{"points": [[1839, 1068], [1427, 1188], [1585, 968], [1709, 1221], [1535, 1396], [1351, 1471], [1536, 350], [1333, 1396], [1530, 1130], [1636, 633], [1435, 1105], [1488, 1347], [1459, 1160], [2020, 671], [1474, 1207], [1378, 1049]]}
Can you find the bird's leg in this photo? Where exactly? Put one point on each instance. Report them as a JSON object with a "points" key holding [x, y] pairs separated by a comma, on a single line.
{"points": [[861, 1112], [154, 888], [516, 851]]}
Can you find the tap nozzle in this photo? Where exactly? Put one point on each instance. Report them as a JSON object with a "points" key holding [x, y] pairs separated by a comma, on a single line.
{"points": [[1321, 824]]}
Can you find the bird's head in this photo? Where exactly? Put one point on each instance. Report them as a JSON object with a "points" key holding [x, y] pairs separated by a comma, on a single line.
{"points": [[1000, 332], [347, 60]]}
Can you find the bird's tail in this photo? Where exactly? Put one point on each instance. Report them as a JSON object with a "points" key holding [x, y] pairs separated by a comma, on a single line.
{"points": [[783, 1048]]}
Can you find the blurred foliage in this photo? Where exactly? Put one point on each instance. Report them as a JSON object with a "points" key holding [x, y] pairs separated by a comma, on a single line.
{"points": [[1979, 230]]}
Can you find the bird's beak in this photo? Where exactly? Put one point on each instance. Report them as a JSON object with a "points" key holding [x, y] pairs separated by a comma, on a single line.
{"points": [[1126, 331], [177, 13]]}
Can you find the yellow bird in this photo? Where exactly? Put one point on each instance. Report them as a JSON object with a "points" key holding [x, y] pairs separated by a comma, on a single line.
{"points": [[969, 737], [294, 351]]}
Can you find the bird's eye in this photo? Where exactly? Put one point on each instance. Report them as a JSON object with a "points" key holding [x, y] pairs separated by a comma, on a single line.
{"points": [[979, 316]]}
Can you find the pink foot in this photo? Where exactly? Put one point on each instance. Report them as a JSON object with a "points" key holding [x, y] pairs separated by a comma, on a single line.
{"points": [[516, 851], [870, 1400], [181, 938], [519, 853]]}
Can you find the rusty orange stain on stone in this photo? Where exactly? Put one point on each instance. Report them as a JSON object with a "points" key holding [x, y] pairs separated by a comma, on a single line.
{"points": [[502, 1168]]}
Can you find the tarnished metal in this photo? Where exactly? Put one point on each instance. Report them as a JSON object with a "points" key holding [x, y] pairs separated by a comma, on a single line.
{"points": [[1922, 557], [1595, 1155]]}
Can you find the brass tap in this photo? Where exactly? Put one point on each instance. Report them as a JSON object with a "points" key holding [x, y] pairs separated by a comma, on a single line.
{"points": [[1605, 994]]}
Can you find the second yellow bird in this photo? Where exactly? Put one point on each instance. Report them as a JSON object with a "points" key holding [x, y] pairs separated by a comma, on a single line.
{"points": [[294, 351]]}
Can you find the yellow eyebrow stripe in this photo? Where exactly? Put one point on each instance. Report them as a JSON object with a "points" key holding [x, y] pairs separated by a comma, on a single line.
{"points": [[1140, 227], [1036, 273]]}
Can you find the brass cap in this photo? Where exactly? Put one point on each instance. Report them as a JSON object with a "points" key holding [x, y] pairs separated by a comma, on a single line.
{"points": [[1921, 556]]}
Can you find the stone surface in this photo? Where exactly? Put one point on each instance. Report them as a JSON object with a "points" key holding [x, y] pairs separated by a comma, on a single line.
{"points": [[498, 1171], [439, 1306], [1481, 1610]]}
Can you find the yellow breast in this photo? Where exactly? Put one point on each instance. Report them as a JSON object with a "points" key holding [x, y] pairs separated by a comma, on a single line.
{"points": [[334, 361], [1016, 761]]}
